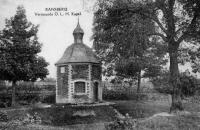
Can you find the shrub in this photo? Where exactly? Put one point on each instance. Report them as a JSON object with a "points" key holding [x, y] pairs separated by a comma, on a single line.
{"points": [[32, 119], [188, 84], [51, 99], [126, 123], [30, 93], [28, 97], [3, 88], [28, 87], [50, 87], [3, 117], [27, 93], [161, 84], [5, 100], [114, 95], [123, 94]]}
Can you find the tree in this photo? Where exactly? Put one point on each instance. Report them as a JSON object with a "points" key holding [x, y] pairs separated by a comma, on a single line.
{"points": [[177, 21], [122, 41], [19, 53]]}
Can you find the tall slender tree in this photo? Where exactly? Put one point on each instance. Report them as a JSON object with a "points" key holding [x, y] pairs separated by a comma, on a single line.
{"points": [[19, 53]]}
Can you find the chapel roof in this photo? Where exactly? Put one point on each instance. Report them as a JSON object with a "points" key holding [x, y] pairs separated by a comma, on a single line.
{"points": [[78, 52]]}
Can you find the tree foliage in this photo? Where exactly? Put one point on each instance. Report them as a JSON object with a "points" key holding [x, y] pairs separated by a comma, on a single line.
{"points": [[19, 50], [121, 39], [20, 60], [177, 22]]}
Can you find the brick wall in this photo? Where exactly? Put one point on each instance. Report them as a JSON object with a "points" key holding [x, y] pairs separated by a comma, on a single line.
{"points": [[62, 81]]}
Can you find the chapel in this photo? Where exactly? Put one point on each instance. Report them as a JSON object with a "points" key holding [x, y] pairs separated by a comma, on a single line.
{"points": [[78, 73]]}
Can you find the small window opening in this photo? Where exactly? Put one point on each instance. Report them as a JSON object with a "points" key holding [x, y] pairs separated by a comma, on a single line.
{"points": [[80, 87], [62, 69]]}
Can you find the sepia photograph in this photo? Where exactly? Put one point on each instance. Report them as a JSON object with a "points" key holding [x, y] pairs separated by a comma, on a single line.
{"points": [[100, 65]]}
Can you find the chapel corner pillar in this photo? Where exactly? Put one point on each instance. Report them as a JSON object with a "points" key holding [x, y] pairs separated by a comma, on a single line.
{"points": [[100, 88], [90, 81], [70, 84], [56, 84]]}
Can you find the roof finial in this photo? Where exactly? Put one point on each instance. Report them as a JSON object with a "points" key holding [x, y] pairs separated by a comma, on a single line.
{"points": [[78, 33], [78, 28], [78, 24], [78, 19]]}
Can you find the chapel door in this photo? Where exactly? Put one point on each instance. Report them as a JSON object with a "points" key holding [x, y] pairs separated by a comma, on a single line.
{"points": [[96, 84]]}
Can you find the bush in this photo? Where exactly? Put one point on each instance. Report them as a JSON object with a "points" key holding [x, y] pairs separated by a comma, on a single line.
{"points": [[3, 88], [27, 93], [32, 119], [161, 84], [187, 83], [49, 87], [51, 99], [28, 97], [28, 87], [3, 117], [114, 95], [126, 123], [5, 100], [122, 94]]}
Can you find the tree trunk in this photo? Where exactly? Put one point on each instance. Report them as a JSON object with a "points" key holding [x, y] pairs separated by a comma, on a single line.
{"points": [[174, 80], [139, 81], [13, 93]]}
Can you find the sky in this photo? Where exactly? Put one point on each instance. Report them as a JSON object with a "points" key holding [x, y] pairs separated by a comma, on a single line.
{"points": [[55, 32]]}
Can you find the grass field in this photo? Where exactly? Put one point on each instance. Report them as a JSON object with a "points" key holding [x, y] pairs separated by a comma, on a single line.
{"points": [[142, 109], [147, 117], [148, 114]]}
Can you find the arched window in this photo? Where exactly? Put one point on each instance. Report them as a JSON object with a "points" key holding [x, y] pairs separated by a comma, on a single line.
{"points": [[80, 87]]}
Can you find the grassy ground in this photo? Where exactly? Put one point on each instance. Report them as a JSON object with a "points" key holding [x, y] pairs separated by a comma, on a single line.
{"points": [[94, 126], [177, 122], [59, 116], [145, 115], [64, 115], [144, 112], [142, 109]]}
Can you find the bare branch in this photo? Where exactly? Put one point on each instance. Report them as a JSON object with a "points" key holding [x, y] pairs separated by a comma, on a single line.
{"points": [[160, 35], [180, 29], [159, 24], [9, 41], [181, 38]]}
